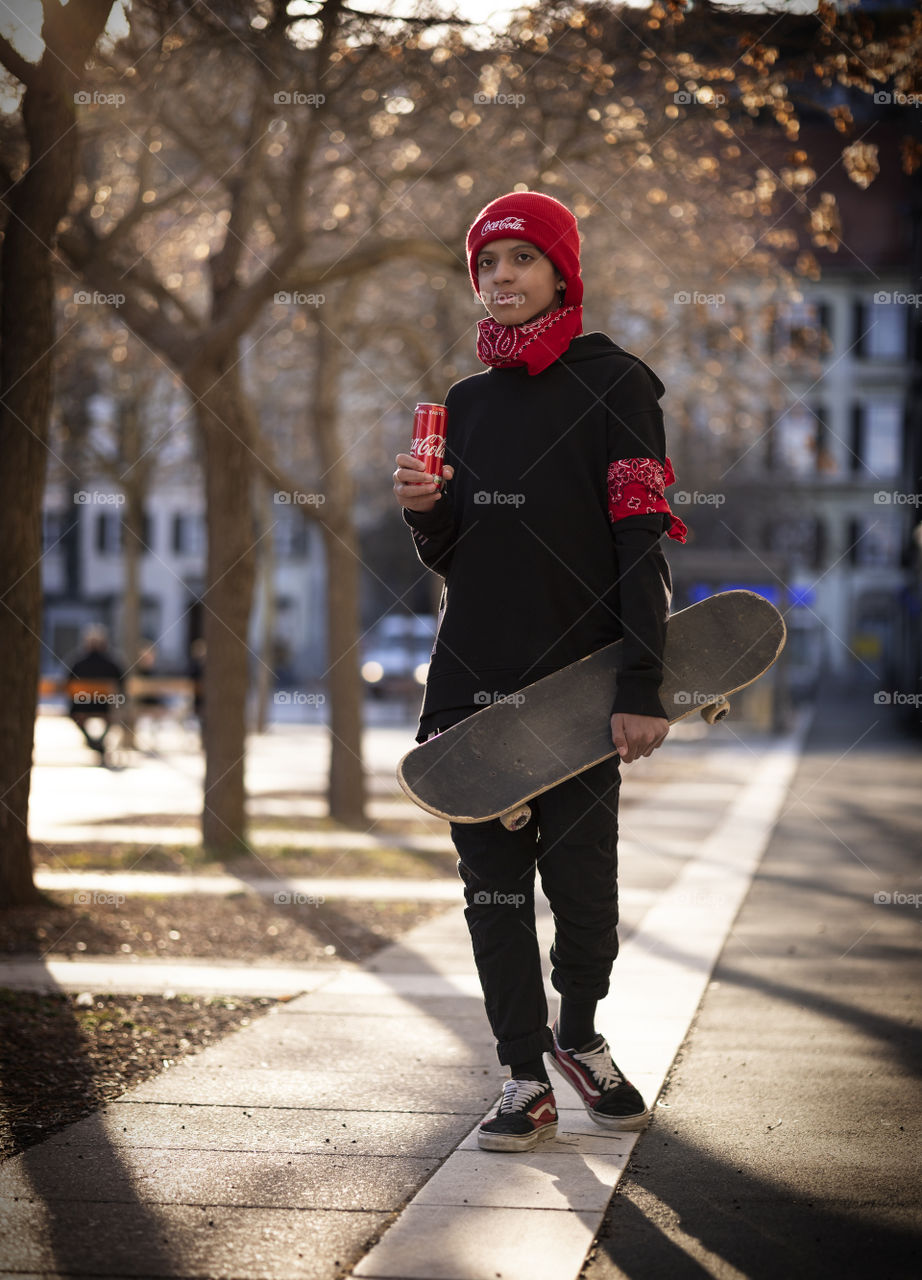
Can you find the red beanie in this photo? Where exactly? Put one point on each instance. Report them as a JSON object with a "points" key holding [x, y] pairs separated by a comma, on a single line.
{"points": [[539, 219]]}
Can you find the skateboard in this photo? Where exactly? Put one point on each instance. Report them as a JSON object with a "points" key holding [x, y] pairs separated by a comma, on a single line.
{"points": [[491, 764]]}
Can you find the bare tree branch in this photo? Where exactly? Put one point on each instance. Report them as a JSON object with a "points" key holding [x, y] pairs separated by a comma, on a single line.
{"points": [[24, 71]]}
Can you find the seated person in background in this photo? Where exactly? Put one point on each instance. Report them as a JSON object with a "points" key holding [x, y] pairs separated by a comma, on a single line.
{"points": [[95, 663]]}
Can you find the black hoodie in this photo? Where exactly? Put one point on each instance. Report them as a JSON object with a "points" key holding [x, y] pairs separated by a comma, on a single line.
{"points": [[536, 574]]}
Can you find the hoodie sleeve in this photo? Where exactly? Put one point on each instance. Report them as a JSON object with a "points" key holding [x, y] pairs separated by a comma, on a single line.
{"points": [[433, 534], [639, 516]]}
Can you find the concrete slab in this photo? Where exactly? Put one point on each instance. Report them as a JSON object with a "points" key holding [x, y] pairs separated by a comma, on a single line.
{"points": [[255, 1179], [447, 1092], [294, 1042], [433, 1243], [280, 1129], [182, 1240], [565, 1178], [457, 1010]]}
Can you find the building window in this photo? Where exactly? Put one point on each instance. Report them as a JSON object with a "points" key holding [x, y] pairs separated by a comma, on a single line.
{"points": [[108, 533], [189, 534], [800, 539], [880, 330], [875, 541], [877, 439], [55, 525], [290, 532]]}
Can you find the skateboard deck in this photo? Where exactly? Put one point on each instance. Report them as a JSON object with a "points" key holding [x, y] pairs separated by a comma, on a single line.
{"points": [[491, 764]]}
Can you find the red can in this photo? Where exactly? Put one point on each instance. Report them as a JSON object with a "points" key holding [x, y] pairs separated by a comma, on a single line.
{"points": [[429, 422]]}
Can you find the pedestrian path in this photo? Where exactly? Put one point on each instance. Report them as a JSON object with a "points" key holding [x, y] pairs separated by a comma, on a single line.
{"points": [[286, 1149], [534, 1217]]}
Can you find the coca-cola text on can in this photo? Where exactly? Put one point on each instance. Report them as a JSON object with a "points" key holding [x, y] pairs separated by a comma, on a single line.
{"points": [[429, 422]]}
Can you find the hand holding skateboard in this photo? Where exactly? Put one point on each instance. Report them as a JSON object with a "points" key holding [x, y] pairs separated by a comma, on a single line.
{"points": [[635, 736]]}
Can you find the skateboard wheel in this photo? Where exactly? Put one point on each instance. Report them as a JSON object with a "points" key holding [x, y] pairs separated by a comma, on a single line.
{"points": [[515, 819], [715, 711]]}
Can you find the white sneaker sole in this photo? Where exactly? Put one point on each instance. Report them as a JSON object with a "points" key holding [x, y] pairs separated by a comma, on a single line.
{"points": [[516, 1141], [620, 1124]]}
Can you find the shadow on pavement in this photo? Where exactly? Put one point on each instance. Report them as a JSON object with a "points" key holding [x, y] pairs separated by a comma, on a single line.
{"points": [[691, 1216]]}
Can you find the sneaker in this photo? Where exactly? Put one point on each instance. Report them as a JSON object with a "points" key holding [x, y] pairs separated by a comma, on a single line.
{"points": [[526, 1115], [608, 1096]]}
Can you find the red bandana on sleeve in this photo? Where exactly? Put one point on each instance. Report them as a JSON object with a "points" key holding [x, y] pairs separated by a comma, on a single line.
{"points": [[536, 344], [636, 486]]}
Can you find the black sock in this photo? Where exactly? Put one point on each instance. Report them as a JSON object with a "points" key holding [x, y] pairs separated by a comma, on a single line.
{"points": [[533, 1068], [576, 1023]]}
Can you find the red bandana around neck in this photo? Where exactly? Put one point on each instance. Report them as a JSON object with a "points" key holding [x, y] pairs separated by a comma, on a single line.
{"points": [[536, 344]]}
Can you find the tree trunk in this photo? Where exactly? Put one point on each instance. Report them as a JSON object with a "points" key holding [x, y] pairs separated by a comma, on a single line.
{"points": [[346, 788], [222, 419], [135, 488], [265, 667], [36, 204]]}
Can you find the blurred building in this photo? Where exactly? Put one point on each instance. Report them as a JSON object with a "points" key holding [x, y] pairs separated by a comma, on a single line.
{"points": [[83, 576], [823, 504]]}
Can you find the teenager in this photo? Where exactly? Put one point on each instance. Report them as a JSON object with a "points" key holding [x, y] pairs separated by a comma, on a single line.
{"points": [[547, 531]]}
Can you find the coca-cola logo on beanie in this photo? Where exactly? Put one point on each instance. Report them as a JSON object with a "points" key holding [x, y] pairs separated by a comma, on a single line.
{"points": [[503, 224]]}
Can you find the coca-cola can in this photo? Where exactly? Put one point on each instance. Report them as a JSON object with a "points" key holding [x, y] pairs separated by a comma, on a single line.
{"points": [[429, 423]]}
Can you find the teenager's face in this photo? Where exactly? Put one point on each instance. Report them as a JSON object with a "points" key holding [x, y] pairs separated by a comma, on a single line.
{"points": [[516, 281]]}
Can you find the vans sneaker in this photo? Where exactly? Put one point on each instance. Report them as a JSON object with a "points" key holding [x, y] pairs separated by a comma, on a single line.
{"points": [[526, 1115], [610, 1098]]}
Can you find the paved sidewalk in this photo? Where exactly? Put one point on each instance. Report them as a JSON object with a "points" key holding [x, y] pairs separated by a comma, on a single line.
{"points": [[290, 1148], [788, 1142]]}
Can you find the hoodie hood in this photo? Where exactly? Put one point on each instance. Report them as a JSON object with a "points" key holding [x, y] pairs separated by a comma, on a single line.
{"points": [[598, 346]]}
